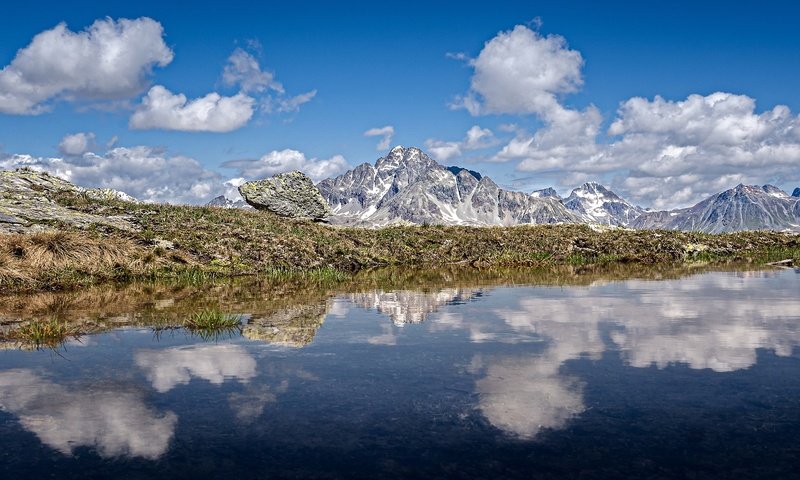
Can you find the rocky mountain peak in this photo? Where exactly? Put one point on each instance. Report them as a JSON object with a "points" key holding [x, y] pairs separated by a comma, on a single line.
{"points": [[407, 186], [601, 205]]}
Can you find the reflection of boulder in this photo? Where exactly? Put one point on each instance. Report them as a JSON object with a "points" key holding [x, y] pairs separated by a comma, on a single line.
{"points": [[114, 421], [294, 326], [407, 306], [176, 366]]}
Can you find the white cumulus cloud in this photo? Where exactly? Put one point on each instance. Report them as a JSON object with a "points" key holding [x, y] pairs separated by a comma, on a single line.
{"points": [[77, 143], [386, 133], [110, 60], [520, 71], [165, 110], [477, 138], [279, 161], [146, 173]]}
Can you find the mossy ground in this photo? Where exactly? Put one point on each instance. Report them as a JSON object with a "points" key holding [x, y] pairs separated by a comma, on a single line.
{"points": [[187, 244]]}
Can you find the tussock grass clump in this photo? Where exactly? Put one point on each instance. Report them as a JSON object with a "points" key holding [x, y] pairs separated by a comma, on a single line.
{"points": [[45, 260], [45, 333], [211, 319]]}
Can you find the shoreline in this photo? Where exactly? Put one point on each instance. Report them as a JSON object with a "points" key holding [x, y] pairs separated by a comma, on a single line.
{"points": [[193, 244]]}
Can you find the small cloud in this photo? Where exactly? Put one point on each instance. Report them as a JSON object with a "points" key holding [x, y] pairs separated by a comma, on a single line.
{"points": [[460, 56], [287, 105], [162, 109], [77, 144], [386, 133], [244, 70]]}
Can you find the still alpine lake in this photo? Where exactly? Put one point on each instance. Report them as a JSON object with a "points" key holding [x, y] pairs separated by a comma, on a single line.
{"points": [[401, 374]]}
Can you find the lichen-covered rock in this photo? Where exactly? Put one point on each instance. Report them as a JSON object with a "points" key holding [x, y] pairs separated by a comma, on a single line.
{"points": [[26, 203], [290, 194]]}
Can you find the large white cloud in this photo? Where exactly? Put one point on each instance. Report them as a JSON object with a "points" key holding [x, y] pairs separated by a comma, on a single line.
{"points": [[163, 109], [109, 60], [146, 173], [659, 153], [116, 422], [699, 145], [521, 71], [279, 161]]}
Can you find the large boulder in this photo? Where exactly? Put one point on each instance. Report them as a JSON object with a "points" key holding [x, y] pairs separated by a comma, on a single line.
{"points": [[290, 194]]}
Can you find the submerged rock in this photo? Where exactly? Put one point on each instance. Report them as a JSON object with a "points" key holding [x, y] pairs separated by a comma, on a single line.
{"points": [[290, 194]]}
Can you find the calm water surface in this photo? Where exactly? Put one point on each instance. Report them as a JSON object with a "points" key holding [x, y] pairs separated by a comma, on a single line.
{"points": [[692, 377]]}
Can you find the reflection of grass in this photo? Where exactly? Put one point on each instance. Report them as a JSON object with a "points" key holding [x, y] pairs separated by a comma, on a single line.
{"points": [[45, 333], [212, 323]]}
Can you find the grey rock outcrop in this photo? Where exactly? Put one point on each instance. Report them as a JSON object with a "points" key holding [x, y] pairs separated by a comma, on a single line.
{"points": [[407, 186], [26, 203], [290, 194]]}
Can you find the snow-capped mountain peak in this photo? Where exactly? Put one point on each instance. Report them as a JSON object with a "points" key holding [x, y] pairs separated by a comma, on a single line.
{"points": [[407, 186], [601, 205]]}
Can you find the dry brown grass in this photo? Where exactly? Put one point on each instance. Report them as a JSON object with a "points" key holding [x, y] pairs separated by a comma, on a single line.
{"points": [[50, 259]]}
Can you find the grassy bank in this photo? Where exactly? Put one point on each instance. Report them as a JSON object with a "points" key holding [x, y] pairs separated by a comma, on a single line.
{"points": [[193, 244]]}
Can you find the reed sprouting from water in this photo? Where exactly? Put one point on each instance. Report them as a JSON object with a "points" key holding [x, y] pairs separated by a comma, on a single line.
{"points": [[50, 333]]}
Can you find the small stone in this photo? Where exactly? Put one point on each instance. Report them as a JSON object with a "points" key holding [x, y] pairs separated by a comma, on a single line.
{"points": [[290, 194]]}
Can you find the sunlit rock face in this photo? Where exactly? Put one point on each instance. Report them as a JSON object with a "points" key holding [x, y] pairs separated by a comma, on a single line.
{"points": [[166, 369], [114, 421], [407, 186], [292, 326], [407, 306], [27, 201]]}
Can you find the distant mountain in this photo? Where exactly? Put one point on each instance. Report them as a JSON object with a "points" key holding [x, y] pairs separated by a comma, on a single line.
{"points": [[225, 202], [601, 205], [745, 207], [407, 186], [546, 192]]}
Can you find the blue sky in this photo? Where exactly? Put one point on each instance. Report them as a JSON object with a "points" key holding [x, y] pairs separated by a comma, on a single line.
{"points": [[375, 65]]}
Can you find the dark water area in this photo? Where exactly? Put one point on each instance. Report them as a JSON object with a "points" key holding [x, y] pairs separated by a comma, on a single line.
{"points": [[679, 375]]}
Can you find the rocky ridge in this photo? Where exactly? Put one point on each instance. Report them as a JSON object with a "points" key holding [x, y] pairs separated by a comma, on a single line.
{"points": [[27, 203], [407, 186]]}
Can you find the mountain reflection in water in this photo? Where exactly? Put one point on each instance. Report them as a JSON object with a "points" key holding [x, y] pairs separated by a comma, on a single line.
{"points": [[457, 355]]}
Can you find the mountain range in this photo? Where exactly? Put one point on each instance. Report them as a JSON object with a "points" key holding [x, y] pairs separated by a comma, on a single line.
{"points": [[408, 187]]}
